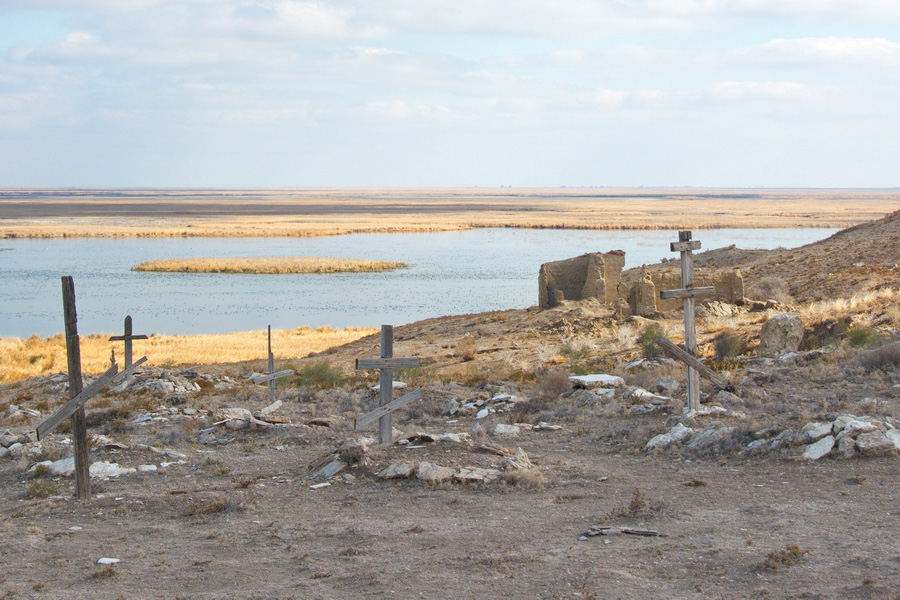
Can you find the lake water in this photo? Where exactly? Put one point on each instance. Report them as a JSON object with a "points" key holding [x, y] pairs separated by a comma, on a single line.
{"points": [[450, 273]]}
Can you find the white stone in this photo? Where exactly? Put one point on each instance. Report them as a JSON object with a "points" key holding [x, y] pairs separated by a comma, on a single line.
{"points": [[856, 427], [780, 335], [504, 397], [433, 473], [476, 475], [813, 432], [663, 440], [819, 449], [397, 385], [397, 471], [544, 426], [64, 467], [597, 381], [482, 413], [502, 429], [146, 468], [838, 424], [894, 436], [643, 394], [107, 561], [103, 469]]}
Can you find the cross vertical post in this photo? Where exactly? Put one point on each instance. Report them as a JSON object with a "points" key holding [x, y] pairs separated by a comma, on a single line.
{"points": [[685, 245], [386, 386], [73, 358], [128, 337], [271, 369]]}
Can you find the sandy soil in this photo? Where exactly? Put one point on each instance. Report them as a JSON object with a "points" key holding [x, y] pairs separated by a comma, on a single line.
{"points": [[216, 212], [230, 513]]}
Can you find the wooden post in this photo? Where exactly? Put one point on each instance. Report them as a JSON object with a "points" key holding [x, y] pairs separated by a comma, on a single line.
{"points": [[386, 386], [688, 292], [271, 369], [73, 358]]}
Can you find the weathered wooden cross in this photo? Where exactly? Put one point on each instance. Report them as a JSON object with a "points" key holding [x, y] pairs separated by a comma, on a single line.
{"points": [[127, 337], [272, 375], [386, 405], [79, 395], [687, 291]]}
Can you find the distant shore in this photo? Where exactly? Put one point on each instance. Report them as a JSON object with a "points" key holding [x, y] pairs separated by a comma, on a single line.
{"points": [[133, 212]]}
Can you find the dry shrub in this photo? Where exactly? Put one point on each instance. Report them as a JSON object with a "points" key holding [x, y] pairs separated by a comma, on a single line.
{"points": [[465, 349], [532, 478], [40, 488], [208, 506], [647, 340], [637, 506], [552, 384], [729, 344], [791, 555], [770, 288], [886, 356]]}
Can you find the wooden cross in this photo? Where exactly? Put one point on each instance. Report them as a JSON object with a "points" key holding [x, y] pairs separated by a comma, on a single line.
{"points": [[127, 337], [386, 405], [272, 375], [79, 395], [687, 291]]}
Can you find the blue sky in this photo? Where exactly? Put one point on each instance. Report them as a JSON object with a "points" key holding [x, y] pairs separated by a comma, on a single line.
{"points": [[419, 93]]}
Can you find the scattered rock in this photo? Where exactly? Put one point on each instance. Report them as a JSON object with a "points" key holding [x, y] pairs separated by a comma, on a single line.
{"points": [[813, 432], [104, 470], [819, 449], [476, 475], [728, 399], [432, 473], [780, 335], [666, 385], [502, 429], [483, 413], [875, 443], [544, 426], [331, 469], [107, 561], [846, 447], [894, 436], [146, 468], [597, 381], [712, 439], [397, 471], [664, 440]]}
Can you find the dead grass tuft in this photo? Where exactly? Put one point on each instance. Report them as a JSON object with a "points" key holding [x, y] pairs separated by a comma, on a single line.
{"points": [[770, 288], [465, 349], [791, 555], [532, 478], [887, 356]]}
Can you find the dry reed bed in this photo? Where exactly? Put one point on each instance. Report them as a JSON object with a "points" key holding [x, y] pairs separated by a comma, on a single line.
{"points": [[269, 265], [36, 355]]}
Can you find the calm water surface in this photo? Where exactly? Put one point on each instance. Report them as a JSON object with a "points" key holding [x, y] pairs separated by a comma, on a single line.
{"points": [[450, 273]]}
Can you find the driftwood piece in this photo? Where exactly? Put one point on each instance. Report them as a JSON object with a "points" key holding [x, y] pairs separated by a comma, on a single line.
{"points": [[605, 530]]}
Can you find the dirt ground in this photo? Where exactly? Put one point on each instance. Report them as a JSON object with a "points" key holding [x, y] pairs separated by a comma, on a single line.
{"points": [[236, 509]]}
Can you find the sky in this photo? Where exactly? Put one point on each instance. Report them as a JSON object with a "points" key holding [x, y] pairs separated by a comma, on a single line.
{"points": [[432, 93]]}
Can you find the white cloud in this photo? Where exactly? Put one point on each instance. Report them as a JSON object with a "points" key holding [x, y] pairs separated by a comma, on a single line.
{"points": [[827, 51]]}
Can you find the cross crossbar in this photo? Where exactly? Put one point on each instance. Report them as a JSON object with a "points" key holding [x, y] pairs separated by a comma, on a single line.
{"points": [[386, 363], [124, 338], [693, 292], [685, 246], [387, 409]]}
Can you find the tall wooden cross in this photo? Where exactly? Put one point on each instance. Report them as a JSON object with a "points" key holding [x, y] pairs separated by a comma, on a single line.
{"points": [[685, 245], [127, 337], [272, 374], [386, 405], [79, 395]]}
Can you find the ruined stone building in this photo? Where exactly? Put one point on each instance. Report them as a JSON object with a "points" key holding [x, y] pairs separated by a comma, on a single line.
{"points": [[599, 275]]}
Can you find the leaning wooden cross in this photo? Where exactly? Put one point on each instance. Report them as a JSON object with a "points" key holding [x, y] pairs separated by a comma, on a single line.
{"points": [[272, 375], [79, 395], [386, 406], [688, 292]]}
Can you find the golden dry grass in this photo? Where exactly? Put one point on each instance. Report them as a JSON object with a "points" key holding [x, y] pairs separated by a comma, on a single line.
{"points": [[311, 212], [269, 266], [36, 355]]}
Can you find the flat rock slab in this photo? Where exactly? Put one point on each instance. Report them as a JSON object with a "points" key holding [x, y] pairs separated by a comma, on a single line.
{"points": [[875, 443], [398, 471], [433, 473], [504, 430], [819, 449], [597, 381], [663, 440], [476, 475]]}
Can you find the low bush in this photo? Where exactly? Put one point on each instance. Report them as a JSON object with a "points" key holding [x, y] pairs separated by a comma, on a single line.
{"points": [[887, 356], [647, 340], [729, 344], [320, 374], [770, 288]]}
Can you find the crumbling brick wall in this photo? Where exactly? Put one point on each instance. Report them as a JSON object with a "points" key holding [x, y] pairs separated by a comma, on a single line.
{"points": [[729, 286], [593, 275]]}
